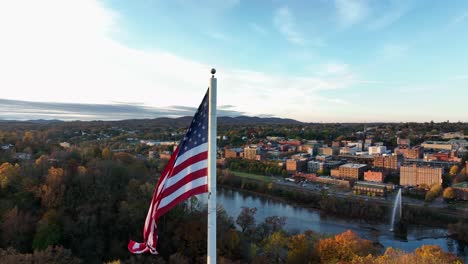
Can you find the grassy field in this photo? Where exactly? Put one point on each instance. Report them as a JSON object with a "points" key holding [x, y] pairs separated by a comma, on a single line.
{"points": [[253, 176]]}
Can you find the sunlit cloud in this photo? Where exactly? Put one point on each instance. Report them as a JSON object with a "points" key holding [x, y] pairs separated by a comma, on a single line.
{"points": [[52, 54]]}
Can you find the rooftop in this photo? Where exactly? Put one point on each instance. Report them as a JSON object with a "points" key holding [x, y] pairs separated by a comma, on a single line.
{"points": [[353, 165], [461, 185]]}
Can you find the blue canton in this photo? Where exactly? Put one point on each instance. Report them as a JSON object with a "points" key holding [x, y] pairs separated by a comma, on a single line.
{"points": [[197, 133]]}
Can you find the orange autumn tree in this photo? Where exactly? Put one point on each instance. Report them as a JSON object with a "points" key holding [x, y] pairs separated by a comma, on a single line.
{"points": [[427, 254], [344, 247]]}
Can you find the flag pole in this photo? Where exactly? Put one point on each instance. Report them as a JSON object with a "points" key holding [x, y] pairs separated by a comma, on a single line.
{"points": [[211, 256]]}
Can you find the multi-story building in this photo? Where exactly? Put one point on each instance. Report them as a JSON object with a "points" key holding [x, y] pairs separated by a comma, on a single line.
{"points": [[314, 166], [232, 153], [363, 187], [374, 176], [403, 142], [251, 152], [414, 175], [410, 153], [451, 135], [391, 162], [377, 150], [437, 145], [351, 170], [295, 165], [329, 151], [348, 150]]}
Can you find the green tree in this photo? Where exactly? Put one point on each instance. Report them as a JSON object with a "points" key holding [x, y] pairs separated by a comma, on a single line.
{"points": [[275, 247]]}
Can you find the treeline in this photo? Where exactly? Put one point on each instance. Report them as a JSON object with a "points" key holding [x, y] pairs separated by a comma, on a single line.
{"points": [[256, 167]]}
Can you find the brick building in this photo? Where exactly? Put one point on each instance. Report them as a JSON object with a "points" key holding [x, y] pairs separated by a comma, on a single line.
{"points": [[350, 170], [374, 176], [388, 162], [414, 176], [296, 165], [410, 153], [232, 153], [329, 151]]}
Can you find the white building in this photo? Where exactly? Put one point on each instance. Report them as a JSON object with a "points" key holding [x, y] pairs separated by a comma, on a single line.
{"points": [[377, 150], [348, 150]]}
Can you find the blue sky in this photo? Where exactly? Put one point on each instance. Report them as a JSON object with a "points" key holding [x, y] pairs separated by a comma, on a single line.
{"points": [[315, 61]]}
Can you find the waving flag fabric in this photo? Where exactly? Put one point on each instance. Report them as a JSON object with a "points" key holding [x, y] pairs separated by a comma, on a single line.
{"points": [[185, 175]]}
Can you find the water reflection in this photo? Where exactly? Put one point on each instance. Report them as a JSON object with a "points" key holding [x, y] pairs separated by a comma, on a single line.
{"points": [[301, 219]]}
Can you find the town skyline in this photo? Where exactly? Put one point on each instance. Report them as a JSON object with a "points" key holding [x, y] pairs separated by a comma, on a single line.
{"points": [[323, 61]]}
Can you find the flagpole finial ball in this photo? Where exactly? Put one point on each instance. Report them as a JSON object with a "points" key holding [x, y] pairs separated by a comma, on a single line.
{"points": [[213, 71]]}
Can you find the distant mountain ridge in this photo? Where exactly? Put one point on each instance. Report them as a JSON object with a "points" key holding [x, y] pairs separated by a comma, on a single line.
{"points": [[180, 121], [227, 120]]}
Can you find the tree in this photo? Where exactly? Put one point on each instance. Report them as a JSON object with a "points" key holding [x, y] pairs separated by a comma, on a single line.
{"points": [[246, 218], [56, 255], [453, 170], [449, 194], [301, 249], [433, 193], [49, 231], [276, 247], [344, 247], [106, 154], [16, 229], [8, 174], [28, 137], [51, 193]]}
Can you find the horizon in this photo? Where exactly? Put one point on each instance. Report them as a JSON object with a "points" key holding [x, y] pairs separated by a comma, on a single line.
{"points": [[339, 61]]}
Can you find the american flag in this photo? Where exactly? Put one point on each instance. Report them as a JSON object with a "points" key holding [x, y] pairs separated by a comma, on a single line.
{"points": [[185, 175]]}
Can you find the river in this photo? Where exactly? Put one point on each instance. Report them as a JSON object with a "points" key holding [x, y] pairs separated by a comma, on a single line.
{"points": [[300, 219]]}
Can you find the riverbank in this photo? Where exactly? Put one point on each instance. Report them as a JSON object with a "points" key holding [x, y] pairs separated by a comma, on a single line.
{"points": [[346, 206]]}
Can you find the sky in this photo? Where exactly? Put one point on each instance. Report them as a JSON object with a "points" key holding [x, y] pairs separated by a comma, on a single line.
{"points": [[314, 61]]}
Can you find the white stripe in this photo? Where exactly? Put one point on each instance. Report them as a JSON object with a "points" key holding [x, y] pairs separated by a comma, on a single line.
{"points": [[187, 187], [137, 245], [192, 168], [192, 152]]}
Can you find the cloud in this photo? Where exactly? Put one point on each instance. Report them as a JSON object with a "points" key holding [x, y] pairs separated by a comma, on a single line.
{"points": [[351, 12], [64, 51], [285, 22], [25, 110]]}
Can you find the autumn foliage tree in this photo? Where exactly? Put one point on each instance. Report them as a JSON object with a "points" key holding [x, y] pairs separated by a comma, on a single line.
{"points": [[449, 194], [344, 247], [434, 192], [427, 254]]}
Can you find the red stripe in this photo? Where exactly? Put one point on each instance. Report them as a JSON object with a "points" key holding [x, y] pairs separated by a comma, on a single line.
{"points": [[170, 164], [194, 159], [184, 196], [186, 179]]}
